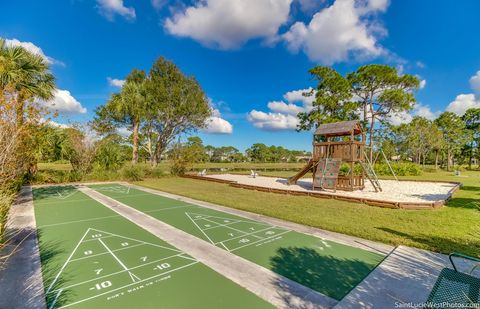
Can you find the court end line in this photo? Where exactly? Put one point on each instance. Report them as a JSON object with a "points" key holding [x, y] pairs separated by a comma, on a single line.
{"points": [[66, 262]]}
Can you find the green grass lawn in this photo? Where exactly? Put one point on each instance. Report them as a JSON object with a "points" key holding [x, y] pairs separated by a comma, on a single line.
{"points": [[454, 227]]}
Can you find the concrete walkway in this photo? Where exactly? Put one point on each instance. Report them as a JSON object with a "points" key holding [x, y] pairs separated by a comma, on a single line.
{"points": [[276, 289], [21, 284]]}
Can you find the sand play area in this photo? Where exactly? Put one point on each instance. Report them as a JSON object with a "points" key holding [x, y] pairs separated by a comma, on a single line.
{"points": [[392, 190]]}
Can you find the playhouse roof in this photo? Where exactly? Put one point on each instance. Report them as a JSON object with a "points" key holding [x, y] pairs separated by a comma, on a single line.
{"points": [[340, 128]]}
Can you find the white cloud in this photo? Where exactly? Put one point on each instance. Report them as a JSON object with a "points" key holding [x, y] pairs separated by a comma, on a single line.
{"points": [[399, 118], [54, 123], [227, 24], [337, 33], [109, 8], [425, 111], [158, 4], [34, 49], [418, 110], [272, 121], [283, 115], [475, 82], [64, 103], [463, 102], [123, 131], [115, 82], [285, 108], [217, 125], [423, 83]]}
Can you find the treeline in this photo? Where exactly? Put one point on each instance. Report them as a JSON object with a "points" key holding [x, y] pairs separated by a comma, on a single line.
{"points": [[447, 141], [197, 152]]}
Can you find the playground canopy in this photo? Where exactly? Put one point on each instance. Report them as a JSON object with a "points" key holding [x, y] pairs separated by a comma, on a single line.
{"points": [[343, 128]]}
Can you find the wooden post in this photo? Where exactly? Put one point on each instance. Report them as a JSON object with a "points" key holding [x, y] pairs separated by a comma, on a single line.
{"points": [[352, 157]]}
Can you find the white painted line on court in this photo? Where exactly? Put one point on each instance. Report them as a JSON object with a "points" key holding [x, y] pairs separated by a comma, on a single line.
{"points": [[162, 274], [266, 229], [66, 262], [260, 240], [155, 245], [232, 228], [56, 298], [78, 221], [122, 271], [213, 243], [89, 256]]}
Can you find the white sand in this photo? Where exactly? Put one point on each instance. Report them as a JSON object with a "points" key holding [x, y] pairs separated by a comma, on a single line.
{"points": [[395, 191]]}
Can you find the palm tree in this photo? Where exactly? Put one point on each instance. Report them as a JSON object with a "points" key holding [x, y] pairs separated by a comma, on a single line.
{"points": [[24, 77]]}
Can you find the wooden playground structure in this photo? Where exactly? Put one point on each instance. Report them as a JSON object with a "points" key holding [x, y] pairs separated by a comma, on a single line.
{"points": [[335, 144]]}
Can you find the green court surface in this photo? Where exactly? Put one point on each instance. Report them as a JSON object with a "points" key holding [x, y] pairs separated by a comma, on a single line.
{"points": [[325, 266], [94, 258]]}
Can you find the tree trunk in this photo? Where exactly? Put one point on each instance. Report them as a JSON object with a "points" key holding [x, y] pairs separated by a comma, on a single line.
{"points": [[19, 112], [448, 160], [371, 132], [136, 125], [436, 158], [471, 156]]}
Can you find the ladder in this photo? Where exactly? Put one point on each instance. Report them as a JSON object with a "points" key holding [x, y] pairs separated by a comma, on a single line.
{"points": [[370, 172]]}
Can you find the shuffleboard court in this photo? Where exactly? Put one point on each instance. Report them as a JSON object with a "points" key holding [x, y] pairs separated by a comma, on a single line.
{"points": [[94, 258], [328, 267]]}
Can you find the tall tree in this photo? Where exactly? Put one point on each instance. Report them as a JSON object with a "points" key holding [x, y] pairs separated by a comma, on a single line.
{"points": [[381, 91], [454, 132], [127, 108], [176, 104], [472, 123], [24, 78], [332, 99]]}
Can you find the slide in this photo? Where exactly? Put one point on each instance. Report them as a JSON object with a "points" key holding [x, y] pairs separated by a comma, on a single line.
{"points": [[293, 180]]}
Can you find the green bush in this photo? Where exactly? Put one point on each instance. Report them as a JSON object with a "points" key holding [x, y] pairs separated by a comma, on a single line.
{"points": [[158, 172], [133, 172], [400, 169]]}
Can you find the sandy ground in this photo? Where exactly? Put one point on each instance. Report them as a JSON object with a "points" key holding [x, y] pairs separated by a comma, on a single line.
{"points": [[396, 191]]}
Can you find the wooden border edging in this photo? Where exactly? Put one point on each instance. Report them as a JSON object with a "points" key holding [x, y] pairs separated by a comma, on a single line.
{"points": [[325, 195]]}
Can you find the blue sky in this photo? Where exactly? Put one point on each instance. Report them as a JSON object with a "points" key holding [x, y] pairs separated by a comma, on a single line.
{"points": [[251, 56]]}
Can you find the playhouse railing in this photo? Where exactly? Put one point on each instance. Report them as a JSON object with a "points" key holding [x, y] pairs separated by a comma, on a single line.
{"points": [[350, 151]]}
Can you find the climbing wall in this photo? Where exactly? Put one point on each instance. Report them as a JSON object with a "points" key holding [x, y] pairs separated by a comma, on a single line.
{"points": [[326, 174]]}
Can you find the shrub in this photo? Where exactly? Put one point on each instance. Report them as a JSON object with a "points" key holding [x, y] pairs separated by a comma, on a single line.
{"points": [[158, 172], [133, 172], [400, 169]]}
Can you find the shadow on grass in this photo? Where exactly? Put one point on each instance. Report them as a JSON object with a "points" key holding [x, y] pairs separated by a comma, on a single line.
{"points": [[440, 244], [471, 188], [461, 202], [326, 274]]}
